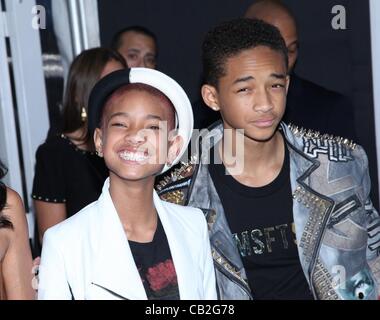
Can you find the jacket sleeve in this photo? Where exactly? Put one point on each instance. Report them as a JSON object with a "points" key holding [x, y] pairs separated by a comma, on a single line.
{"points": [[373, 248], [373, 229], [209, 281], [53, 283], [372, 216]]}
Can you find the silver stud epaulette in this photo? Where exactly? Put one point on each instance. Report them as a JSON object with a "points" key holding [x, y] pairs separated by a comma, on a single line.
{"points": [[178, 174], [310, 134]]}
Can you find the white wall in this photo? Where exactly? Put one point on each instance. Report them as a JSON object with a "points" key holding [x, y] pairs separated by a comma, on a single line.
{"points": [[375, 43], [30, 96]]}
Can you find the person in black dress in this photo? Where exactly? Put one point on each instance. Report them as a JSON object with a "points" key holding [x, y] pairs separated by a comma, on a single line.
{"points": [[68, 174]]}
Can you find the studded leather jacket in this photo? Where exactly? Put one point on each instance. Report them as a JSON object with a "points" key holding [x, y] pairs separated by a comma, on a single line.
{"points": [[337, 228]]}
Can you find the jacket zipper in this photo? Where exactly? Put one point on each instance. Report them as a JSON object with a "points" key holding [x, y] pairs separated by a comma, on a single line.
{"points": [[348, 207], [110, 291]]}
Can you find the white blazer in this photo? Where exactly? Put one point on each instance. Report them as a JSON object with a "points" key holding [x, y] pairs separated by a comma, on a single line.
{"points": [[88, 256]]}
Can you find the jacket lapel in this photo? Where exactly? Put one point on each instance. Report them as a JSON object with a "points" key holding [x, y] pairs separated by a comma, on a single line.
{"points": [[311, 212], [115, 271], [206, 197], [176, 236]]}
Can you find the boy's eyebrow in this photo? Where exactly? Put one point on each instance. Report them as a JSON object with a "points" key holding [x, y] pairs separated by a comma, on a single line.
{"points": [[244, 79], [272, 75]]}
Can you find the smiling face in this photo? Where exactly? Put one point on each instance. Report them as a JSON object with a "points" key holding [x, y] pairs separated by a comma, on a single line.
{"points": [[134, 135], [252, 93]]}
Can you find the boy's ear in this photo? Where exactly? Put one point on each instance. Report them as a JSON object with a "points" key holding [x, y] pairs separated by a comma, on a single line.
{"points": [[175, 145], [210, 97], [288, 79], [98, 136]]}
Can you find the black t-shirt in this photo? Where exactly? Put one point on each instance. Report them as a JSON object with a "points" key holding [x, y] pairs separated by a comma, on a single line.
{"points": [[66, 174], [261, 221], [155, 265]]}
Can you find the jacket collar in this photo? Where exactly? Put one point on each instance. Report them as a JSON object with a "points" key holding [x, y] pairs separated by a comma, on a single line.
{"points": [[114, 267], [303, 166]]}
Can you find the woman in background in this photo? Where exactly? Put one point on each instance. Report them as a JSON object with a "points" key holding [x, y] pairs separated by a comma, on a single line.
{"points": [[68, 174], [15, 255]]}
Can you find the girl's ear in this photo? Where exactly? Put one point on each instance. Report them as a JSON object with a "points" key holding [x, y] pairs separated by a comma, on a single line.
{"points": [[175, 145], [98, 136]]}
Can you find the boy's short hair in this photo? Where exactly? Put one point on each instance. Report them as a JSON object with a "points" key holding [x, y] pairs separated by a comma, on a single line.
{"points": [[231, 38]]}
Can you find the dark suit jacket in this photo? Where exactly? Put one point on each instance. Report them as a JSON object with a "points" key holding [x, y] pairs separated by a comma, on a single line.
{"points": [[203, 115], [314, 107]]}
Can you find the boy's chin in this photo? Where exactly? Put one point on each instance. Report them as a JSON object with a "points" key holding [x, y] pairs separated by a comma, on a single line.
{"points": [[260, 136]]}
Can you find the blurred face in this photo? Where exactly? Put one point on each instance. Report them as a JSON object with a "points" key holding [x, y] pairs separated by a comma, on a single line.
{"points": [[110, 67], [287, 27], [134, 138], [252, 94], [138, 50], [288, 30]]}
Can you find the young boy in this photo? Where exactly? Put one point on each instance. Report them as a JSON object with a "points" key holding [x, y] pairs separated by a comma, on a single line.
{"points": [[295, 220], [129, 244]]}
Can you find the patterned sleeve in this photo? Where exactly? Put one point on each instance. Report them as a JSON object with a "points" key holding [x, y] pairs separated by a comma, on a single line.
{"points": [[373, 228], [372, 223]]}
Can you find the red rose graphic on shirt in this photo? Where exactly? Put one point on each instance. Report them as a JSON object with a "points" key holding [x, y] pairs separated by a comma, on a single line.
{"points": [[162, 275]]}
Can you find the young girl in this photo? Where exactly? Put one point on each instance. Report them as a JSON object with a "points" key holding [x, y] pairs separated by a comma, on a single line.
{"points": [[129, 244], [15, 255]]}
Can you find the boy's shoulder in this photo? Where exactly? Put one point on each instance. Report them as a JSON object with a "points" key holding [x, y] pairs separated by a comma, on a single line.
{"points": [[173, 186], [315, 145]]}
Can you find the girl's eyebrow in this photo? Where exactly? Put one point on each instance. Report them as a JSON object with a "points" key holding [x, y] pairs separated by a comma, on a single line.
{"points": [[119, 114], [126, 114]]}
